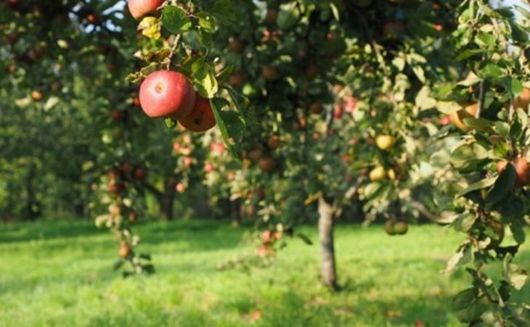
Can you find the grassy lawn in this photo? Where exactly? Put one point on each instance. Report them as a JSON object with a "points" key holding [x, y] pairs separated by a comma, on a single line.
{"points": [[58, 274]]}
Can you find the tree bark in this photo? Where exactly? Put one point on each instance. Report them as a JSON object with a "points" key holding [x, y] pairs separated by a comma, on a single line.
{"points": [[166, 202], [327, 246]]}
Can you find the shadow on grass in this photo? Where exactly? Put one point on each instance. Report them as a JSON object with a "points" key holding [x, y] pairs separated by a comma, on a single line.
{"points": [[46, 230]]}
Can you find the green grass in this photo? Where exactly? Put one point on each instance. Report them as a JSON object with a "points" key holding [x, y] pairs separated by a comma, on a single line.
{"points": [[58, 274]]}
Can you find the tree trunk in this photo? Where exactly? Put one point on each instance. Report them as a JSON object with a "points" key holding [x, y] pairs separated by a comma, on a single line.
{"points": [[32, 204], [327, 246], [166, 205]]}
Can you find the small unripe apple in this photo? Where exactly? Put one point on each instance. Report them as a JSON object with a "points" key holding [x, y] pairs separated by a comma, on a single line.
{"points": [[140, 8], [377, 174], [201, 117], [385, 142], [457, 117], [167, 94]]}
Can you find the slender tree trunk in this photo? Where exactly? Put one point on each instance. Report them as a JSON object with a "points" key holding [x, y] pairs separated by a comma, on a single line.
{"points": [[32, 205], [327, 246], [166, 202]]}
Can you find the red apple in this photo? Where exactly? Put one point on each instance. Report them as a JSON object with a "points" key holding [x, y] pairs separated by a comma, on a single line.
{"points": [[166, 94], [140, 8], [201, 118], [208, 168], [180, 187]]}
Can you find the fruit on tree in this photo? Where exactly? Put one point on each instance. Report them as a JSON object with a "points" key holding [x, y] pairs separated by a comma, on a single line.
{"points": [[255, 154], [136, 101], [116, 115], [457, 117], [125, 250], [201, 117], [316, 108], [139, 173], [523, 99], [167, 94], [235, 45], [140, 8], [270, 73], [522, 170], [338, 111], [267, 164], [385, 142], [273, 142], [180, 187], [116, 187], [37, 95], [377, 174], [237, 79]]}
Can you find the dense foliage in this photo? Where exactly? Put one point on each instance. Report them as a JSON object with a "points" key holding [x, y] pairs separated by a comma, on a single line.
{"points": [[390, 110]]}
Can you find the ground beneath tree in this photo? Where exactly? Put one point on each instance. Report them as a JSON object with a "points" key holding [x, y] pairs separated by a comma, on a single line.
{"points": [[59, 274]]}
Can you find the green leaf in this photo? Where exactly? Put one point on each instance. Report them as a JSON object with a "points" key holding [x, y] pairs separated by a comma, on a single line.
{"points": [[517, 230], [469, 53], [491, 71], [503, 186], [484, 183], [515, 275], [204, 78], [230, 124], [464, 299], [517, 86], [287, 18], [206, 22], [223, 11], [464, 222], [485, 39], [175, 20], [170, 122]]}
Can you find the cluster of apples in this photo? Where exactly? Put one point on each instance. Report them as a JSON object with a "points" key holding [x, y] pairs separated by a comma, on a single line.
{"points": [[168, 94]]}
